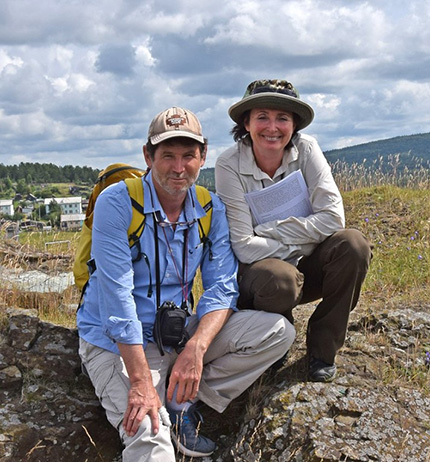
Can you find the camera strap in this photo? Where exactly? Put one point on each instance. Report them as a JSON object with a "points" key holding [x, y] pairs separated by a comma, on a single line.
{"points": [[168, 316], [157, 265], [183, 280]]}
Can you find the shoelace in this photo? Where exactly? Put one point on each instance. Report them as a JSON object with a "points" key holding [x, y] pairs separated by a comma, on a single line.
{"points": [[190, 417]]}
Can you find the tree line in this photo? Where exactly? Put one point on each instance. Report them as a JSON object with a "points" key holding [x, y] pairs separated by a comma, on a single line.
{"points": [[27, 177], [48, 173]]}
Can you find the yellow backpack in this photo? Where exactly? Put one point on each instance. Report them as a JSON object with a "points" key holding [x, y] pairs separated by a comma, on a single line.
{"points": [[133, 179]]}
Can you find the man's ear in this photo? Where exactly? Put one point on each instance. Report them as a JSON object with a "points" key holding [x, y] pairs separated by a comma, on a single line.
{"points": [[147, 157], [203, 156]]}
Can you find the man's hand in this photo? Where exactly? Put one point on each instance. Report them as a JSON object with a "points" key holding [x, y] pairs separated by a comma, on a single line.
{"points": [[143, 398], [187, 372]]}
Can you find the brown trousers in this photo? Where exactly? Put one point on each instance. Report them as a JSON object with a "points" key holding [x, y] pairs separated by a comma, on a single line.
{"points": [[334, 272]]}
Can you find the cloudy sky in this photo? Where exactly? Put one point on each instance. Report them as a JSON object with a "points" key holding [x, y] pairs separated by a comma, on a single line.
{"points": [[80, 80]]}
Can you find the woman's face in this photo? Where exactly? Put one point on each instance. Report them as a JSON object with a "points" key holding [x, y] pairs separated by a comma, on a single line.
{"points": [[270, 129]]}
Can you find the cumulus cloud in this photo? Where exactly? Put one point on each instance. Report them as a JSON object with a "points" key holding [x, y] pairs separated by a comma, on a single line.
{"points": [[80, 81], [9, 64]]}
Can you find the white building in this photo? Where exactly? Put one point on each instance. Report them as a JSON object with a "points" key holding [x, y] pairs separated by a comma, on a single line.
{"points": [[69, 205], [73, 221], [6, 207]]}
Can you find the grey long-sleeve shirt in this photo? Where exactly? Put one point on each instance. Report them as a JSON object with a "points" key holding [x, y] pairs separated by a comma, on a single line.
{"points": [[236, 173]]}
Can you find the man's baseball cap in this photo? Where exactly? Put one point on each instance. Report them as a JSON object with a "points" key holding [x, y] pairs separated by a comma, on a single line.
{"points": [[175, 122]]}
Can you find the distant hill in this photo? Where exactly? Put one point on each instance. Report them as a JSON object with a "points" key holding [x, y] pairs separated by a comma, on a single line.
{"points": [[411, 150]]}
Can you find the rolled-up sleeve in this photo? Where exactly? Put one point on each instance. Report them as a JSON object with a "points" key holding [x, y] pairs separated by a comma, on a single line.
{"points": [[111, 252]]}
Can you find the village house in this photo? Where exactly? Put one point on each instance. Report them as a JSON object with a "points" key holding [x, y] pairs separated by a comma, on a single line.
{"points": [[72, 222], [32, 225], [26, 210], [69, 205], [6, 207], [31, 198]]}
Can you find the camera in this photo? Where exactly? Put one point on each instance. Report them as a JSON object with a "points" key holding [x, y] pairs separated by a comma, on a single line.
{"points": [[169, 327]]}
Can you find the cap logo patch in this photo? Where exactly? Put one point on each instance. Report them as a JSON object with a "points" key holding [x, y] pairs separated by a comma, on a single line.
{"points": [[175, 121]]}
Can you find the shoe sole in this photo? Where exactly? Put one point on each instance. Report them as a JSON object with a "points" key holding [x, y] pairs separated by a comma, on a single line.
{"points": [[323, 378], [188, 452]]}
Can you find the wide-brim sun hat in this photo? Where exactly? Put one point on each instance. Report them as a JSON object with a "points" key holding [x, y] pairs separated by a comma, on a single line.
{"points": [[273, 94], [175, 122]]}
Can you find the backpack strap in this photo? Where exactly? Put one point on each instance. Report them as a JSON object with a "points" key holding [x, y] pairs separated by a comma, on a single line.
{"points": [[135, 190], [205, 200], [137, 224]]}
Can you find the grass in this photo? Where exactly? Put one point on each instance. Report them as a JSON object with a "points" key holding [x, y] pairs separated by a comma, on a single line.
{"points": [[51, 253], [397, 222], [381, 172], [64, 189], [52, 241]]}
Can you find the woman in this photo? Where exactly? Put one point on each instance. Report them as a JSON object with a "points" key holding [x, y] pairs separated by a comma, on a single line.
{"points": [[294, 260]]}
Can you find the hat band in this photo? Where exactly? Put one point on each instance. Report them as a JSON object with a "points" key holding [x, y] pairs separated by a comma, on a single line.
{"points": [[270, 89]]}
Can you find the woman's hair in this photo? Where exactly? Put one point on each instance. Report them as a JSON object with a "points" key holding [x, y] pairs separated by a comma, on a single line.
{"points": [[240, 133], [151, 148]]}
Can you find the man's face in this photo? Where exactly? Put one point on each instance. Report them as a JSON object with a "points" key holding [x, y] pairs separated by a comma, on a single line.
{"points": [[175, 166]]}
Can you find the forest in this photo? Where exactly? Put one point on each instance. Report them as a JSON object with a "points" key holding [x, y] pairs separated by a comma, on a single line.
{"points": [[47, 173]]}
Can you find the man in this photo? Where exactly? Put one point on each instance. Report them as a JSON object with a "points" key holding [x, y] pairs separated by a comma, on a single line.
{"points": [[227, 349]]}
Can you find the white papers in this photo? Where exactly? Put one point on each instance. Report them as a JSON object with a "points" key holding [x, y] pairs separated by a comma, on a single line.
{"points": [[289, 197]]}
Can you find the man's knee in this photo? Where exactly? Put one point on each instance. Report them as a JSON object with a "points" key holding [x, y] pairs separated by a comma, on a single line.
{"points": [[280, 334], [266, 331], [144, 445], [286, 332]]}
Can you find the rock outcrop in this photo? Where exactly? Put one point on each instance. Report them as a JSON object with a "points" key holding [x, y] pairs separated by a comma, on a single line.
{"points": [[373, 411], [48, 409]]}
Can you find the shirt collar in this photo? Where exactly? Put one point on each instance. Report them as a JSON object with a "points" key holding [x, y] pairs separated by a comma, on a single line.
{"points": [[248, 165], [192, 210]]}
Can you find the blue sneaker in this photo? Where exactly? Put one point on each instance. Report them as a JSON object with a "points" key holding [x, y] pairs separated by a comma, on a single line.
{"points": [[185, 433]]}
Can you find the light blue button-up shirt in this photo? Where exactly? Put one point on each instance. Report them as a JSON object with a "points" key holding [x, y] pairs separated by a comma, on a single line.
{"points": [[120, 299]]}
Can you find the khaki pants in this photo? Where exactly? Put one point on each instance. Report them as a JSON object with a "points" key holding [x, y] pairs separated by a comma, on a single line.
{"points": [[334, 272], [249, 343]]}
